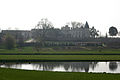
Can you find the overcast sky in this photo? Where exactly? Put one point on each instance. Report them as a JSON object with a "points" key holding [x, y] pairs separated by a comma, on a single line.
{"points": [[25, 14]]}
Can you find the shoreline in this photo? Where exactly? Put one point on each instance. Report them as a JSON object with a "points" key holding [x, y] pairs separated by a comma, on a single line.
{"points": [[59, 53], [7, 61]]}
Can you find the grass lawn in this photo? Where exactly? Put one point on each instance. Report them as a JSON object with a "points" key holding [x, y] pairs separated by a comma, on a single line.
{"points": [[63, 51], [31, 50], [14, 74], [59, 57]]}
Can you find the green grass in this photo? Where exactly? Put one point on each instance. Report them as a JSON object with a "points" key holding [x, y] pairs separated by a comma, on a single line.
{"points": [[59, 57], [61, 51], [14, 74], [84, 50]]}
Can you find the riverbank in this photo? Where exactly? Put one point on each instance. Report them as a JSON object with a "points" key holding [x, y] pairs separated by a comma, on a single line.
{"points": [[29, 54], [35, 58], [14, 74], [60, 50]]}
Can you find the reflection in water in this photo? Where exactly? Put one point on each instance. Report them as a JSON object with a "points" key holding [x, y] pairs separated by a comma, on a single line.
{"points": [[108, 67], [113, 66], [73, 66]]}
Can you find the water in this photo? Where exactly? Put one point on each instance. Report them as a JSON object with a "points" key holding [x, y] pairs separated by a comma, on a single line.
{"points": [[99, 67]]}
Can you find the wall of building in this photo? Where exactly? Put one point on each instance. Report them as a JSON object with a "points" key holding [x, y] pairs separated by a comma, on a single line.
{"points": [[65, 33], [18, 34]]}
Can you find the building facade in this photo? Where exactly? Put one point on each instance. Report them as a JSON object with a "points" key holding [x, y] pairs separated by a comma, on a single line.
{"points": [[65, 33], [78, 32], [18, 34]]}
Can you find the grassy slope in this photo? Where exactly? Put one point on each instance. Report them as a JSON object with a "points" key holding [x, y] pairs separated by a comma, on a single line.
{"points": [[59, 57], [13, 74], [62, 51]]}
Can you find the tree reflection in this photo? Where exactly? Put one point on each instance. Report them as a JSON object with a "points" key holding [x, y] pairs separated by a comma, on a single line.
{"points": [[62, 66], [73, 66], [46, 66], [50, 66], [113, 66], [11, 65], [78, 66]]}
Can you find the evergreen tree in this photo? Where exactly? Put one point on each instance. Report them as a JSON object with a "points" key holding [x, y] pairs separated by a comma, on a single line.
{"points": [[113, 31], [86, 25], [93, 32], [106, 36]]}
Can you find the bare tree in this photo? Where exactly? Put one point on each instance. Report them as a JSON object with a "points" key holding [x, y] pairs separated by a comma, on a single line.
{"points": [[75, 24], [40, 31]]}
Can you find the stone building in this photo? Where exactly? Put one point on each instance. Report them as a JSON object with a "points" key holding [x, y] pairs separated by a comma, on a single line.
{"points": [[18, 34], [0, 38], [78, 32], [65, 33], [48, 34]]}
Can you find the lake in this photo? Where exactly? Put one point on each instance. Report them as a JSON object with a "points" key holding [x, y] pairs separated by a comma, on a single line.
{"points": [[97, 67]]}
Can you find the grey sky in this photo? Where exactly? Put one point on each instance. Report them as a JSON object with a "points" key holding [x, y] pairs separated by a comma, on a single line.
{"points": [[25, 14]]}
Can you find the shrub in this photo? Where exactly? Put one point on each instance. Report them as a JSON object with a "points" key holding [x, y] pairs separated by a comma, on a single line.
{"points": [[9, 42]]}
